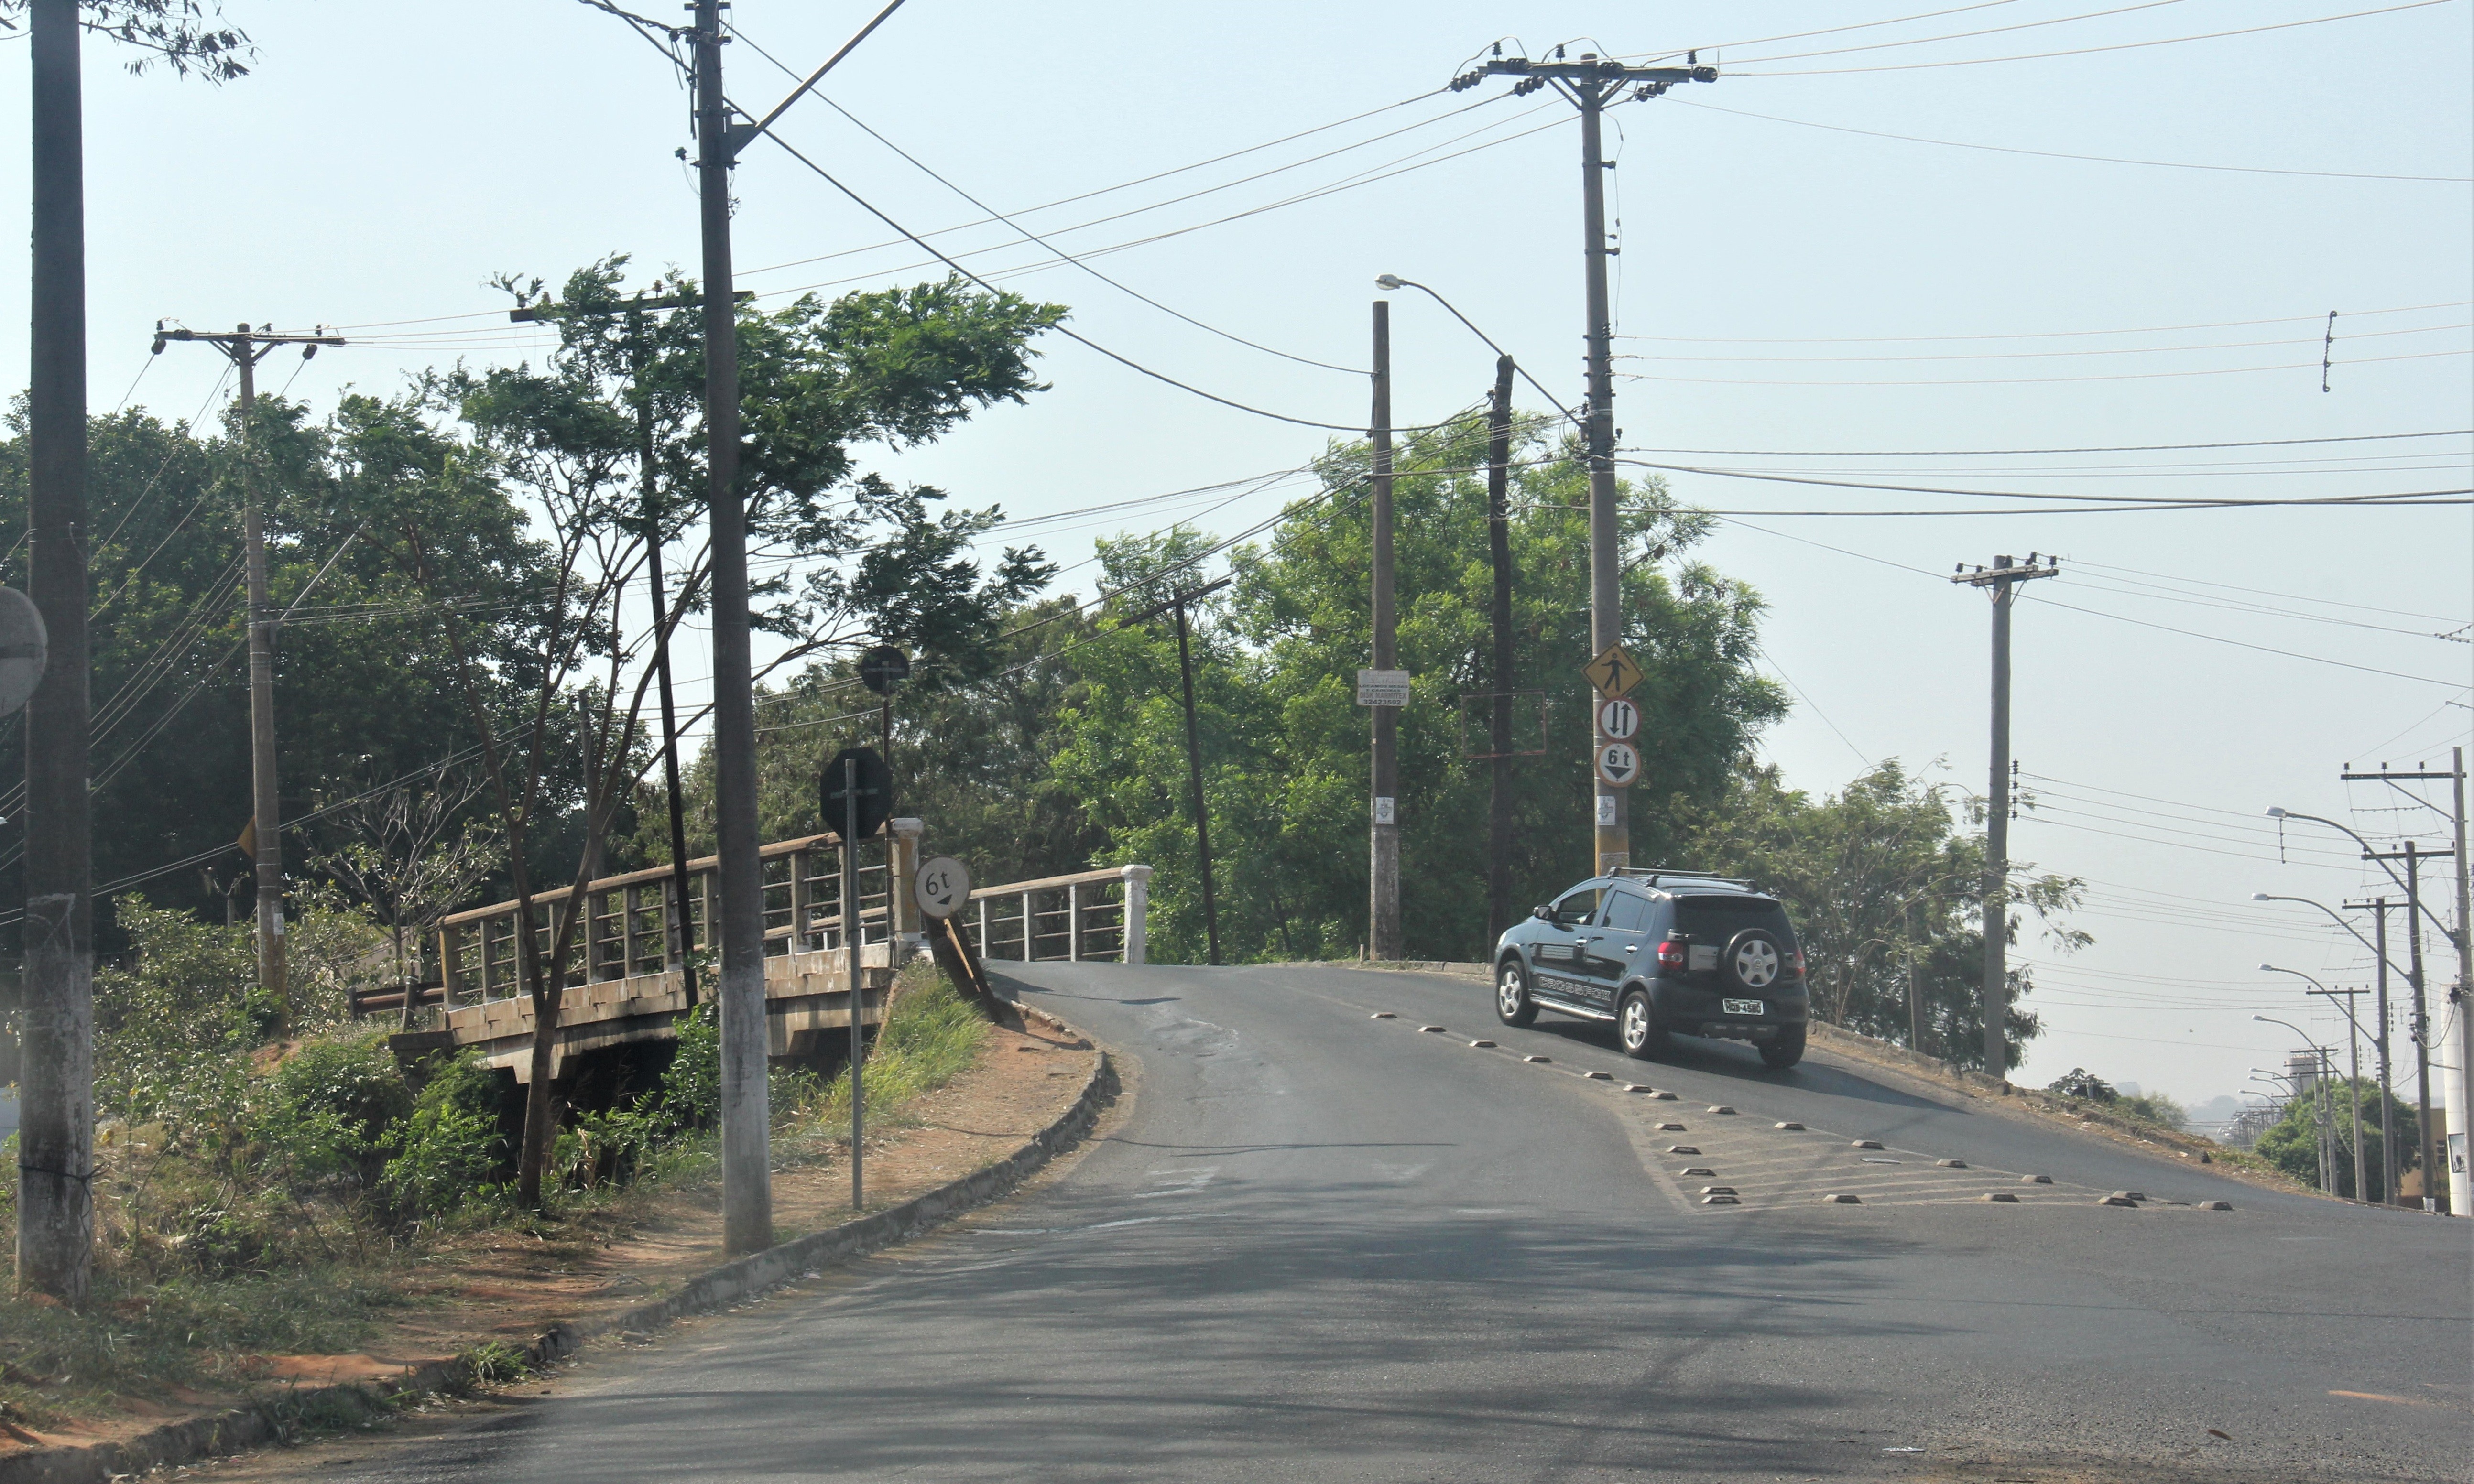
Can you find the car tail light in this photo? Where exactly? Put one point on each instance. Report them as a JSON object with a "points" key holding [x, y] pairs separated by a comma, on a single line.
{"points": [[1670, 954], [1796, 959]]}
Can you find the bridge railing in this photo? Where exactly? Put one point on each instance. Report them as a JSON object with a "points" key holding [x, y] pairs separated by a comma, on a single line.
{"points": [[635, 924], [1088, 915]]}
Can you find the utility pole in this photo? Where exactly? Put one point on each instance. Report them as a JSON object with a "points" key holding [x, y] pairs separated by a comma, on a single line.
{"points": [[56, 1133], [1383, 829], [1498, 550], [746, 1177], [2378, 905], [1590, 84], [2354, 1081], [245, 347], [2001, 582], [1177, 603]]}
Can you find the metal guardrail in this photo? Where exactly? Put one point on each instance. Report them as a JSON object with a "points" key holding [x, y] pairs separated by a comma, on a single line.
{"points": [[1088, 915]]}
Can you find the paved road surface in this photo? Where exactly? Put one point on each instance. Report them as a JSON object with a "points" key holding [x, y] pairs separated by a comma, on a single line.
{"points": [[1327, 1246]]}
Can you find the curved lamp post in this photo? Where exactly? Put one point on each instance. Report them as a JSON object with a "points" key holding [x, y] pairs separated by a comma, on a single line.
{"points": [[2319, 1103]]}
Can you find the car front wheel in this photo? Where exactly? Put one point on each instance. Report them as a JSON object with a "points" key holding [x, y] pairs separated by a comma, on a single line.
{"points": [[1637, 1027], [1512, 1002], [1785, 1051]]}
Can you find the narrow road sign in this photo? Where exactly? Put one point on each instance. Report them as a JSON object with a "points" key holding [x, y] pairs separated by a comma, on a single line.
{"points": [[1618, 763], [1613, 672], [1618, 720]]}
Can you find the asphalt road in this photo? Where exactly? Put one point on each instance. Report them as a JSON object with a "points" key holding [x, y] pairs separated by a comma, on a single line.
{"points": [[1321, 1245]]}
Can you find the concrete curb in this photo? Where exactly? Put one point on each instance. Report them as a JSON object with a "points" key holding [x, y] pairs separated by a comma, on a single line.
{"points": [[270, 1421]]}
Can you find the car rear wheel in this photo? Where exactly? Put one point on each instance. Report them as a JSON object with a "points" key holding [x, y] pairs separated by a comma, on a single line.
{"points": [[1637, 1027], [1785, 1051], [1513, 1005]]}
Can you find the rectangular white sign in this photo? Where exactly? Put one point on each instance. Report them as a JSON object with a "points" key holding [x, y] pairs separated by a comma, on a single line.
{"points": [[1384, 813], [1382, 688]]}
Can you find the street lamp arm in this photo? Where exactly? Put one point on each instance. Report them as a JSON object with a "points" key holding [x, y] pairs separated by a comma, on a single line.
{"points": [[1396, 281], [2333, 918], [2447, 934]]}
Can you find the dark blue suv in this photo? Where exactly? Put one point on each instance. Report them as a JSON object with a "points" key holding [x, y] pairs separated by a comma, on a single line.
{"points": [[1661, 954]]}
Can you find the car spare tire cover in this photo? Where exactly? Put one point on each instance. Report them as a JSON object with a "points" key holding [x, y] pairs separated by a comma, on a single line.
{"points": [[1753, 960]]}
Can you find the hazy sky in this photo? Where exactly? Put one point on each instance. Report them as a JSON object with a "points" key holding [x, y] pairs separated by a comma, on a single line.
{"points": [[1819, 300]]}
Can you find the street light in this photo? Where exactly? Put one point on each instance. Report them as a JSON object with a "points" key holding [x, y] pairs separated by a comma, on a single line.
{"points": [[2446, 933], [2318, 1102], [2354, 1061]]}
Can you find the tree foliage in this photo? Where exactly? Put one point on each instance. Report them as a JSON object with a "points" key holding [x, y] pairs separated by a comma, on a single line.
{"points": [[2293, 1142]]}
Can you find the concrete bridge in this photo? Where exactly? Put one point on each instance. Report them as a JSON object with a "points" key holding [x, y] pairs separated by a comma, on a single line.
{"points": [[623, 979]]}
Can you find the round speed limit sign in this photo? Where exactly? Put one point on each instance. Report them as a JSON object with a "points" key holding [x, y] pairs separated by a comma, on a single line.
{"points": [[1619, 719], [941, 887]]}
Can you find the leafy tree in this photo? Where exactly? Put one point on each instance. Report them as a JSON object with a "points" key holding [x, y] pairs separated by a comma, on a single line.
{"points": [[1284, 744], [1885, 890], [2293, 1142], [173, 34]]}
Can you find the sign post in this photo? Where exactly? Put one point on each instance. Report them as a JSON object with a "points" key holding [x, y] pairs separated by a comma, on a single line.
{"points": [[857, 790]]}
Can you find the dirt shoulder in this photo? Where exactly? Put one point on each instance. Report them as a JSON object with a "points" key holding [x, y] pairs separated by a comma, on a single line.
{"points": [[511, 1286]]}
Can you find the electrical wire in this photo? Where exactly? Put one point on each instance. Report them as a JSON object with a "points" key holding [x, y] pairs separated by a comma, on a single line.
{"points": [[1060, 254], [2094, 159], [1765, 477], [2296, 597], [2037, 355], [2024, 381], [1959, 36], [1987, 453], [2217, 638], [2136, 329], [2089, 51]]}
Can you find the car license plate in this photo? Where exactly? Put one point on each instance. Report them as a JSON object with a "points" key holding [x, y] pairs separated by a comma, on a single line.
{"points": [[1743, 1006]]}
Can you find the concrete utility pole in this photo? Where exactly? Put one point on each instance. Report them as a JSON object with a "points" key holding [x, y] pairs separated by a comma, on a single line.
{"points": [[1589, 83], [1177, 603], [1498, 551], [2000, 581], [245, 347], [2378, 905], [56, 1131], [746, 1177], [1383, 829]]}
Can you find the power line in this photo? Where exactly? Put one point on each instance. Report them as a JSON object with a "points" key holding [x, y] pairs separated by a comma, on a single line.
{"points": [[2265, 592], [2026, 381], [922, 168], [2136, 329], [2217, 638], [1987, 453], [1959, 35], [2096, 159], [2087, 51], [2038, 355], [1765, 477]]}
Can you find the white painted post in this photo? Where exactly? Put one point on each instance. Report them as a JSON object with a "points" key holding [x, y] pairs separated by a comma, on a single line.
{"points": [[901, 864], [1030, 931], [984, 928], [1073, 923], [1138, 901]]}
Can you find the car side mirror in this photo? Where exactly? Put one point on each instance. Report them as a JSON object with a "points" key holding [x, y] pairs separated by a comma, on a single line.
{"points": [[1542, 912]]}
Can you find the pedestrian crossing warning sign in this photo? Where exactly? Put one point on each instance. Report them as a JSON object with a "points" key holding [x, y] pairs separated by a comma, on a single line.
{"points": [[1613, 672]]}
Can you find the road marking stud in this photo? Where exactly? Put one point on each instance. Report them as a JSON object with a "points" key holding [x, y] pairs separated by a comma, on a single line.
{"points": [[1436, 1030], [1720, 1108], [1540, 1059], [1796, 1127], [1479, 1045], [1842, 1200], [2131, 1195], [2115, 1199], [1866, 1143], [2215, 1206], [2035, 1179], [1382, 1015], [1681, 1149], [1693, 1171], [1951, 1165], [1663, 1097], [1635, 1087], [1720, 1200], [1719, 1191], [1599, 1076], [2003, 1196], [1670, 1128]]}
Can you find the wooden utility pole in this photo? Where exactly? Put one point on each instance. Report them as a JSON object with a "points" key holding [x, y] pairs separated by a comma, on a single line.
{"points": [[747, 1191], [1590, 83], [245, 347], [2000, 582], [1383, 827], [56, 1133], [1498, 550], [1177, 603]]}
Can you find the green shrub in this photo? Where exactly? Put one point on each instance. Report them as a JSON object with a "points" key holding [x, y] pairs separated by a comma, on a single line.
{"points": [[336, 1107], [449, 1150], [689, 1096]]}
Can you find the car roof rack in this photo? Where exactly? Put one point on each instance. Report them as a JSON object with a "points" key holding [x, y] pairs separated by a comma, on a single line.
{"points": [[1680, 875]]}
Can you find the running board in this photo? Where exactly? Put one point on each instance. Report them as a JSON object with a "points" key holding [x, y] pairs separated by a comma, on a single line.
{"points": [[1567, 1007]]}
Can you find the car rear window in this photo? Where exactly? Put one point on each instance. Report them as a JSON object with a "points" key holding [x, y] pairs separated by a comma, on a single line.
{"points": [[1627, 912], [1715, 919]]}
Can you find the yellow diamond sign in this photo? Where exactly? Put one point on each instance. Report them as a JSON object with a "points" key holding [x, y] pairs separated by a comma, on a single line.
{"points": [[1613, 672]]}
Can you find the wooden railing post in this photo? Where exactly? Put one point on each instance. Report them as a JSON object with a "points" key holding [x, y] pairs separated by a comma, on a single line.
{"points": [[451, 974], [1133, 936], [801, 899]]}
